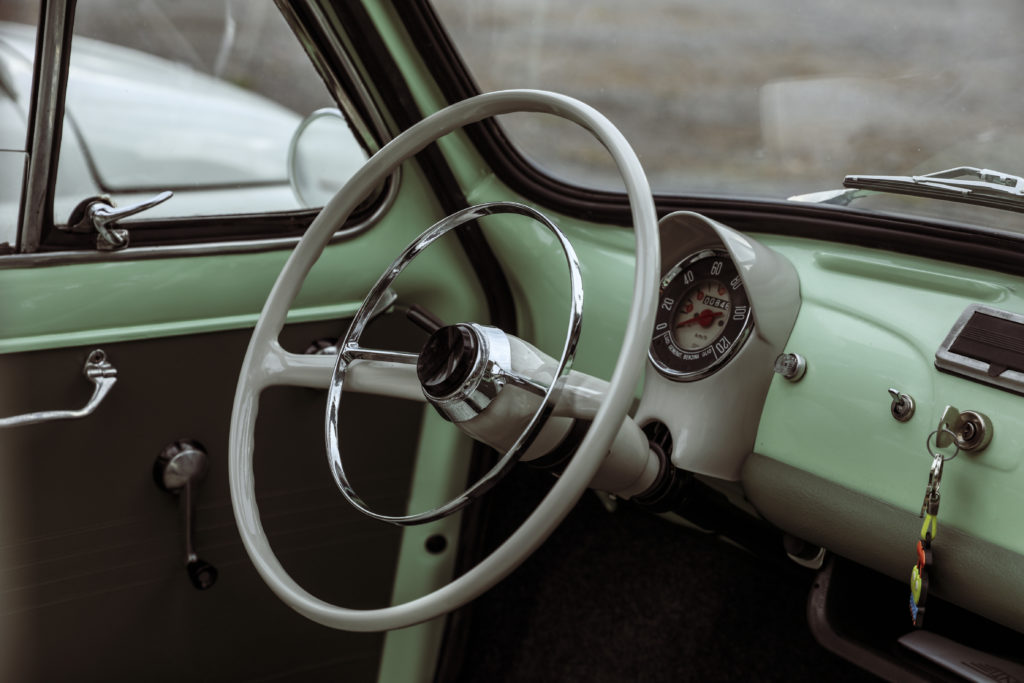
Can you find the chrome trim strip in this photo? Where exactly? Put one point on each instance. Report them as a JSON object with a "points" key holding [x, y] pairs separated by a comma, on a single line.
{"points": [[50, 71], [355, 352], [61, 258]]}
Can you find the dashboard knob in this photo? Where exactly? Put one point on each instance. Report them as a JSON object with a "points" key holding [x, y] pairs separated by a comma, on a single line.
{"points": [[791, 366]]}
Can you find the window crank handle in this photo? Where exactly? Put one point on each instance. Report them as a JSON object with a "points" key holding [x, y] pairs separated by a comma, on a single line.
{"points": [[178, 469]]}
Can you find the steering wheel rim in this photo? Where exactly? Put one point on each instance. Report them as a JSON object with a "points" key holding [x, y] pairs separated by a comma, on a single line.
{"points": [[264, 365]]}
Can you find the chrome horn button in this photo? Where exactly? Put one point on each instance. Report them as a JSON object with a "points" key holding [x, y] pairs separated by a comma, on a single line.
{"points": [[475, 379], [462, 368]]}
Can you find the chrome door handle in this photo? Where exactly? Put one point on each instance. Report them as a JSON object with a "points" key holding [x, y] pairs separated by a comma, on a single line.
{"points": [[97, 370]]}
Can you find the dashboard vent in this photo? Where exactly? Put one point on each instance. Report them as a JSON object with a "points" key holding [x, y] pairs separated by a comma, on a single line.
{"points": [[986, 345]]}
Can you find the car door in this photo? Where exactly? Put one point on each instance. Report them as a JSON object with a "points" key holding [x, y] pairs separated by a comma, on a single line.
{"points": [[120, 345]]}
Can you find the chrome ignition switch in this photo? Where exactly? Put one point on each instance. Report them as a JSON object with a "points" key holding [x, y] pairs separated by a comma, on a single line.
{"points": [[970, 430]]}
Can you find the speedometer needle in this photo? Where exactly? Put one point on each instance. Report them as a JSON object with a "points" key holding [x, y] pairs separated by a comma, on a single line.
{"points": [[705, 318]]}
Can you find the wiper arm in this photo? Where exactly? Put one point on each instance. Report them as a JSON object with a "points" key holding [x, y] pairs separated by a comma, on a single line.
{"points": [[961, 184]]}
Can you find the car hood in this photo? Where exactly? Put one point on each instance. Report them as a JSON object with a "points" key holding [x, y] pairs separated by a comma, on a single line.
{"points": [[146, 122]]}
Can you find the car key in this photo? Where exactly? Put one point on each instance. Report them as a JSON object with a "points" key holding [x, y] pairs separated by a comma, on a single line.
{"points": [[929, 529]]}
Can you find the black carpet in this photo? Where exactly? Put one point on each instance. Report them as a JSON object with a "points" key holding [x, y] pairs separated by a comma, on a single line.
{"points": [[628, 596]]}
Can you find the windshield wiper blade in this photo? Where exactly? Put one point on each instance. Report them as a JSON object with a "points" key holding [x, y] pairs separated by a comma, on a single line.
{"points": [[961, 184]]}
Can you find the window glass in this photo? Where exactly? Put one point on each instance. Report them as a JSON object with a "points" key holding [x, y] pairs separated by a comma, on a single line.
{"points": [[15, 89], [753, 98], [201, 98]]}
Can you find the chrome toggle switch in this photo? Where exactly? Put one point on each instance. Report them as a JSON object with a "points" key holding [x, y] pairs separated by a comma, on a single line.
{"points": [[902, 406]]}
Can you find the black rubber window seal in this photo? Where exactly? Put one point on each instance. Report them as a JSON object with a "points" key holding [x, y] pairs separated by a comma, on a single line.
{"points": [[946, 241]]}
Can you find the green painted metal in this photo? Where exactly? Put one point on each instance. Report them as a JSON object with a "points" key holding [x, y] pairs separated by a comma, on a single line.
{"points": [[871, 320], [606, 252], [442, 463], [70, 305], [539, 280]]}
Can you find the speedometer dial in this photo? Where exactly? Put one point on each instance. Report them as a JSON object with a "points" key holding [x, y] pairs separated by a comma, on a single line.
{"points": [[703, 318]]}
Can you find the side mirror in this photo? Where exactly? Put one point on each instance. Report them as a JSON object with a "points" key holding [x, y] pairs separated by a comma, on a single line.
{"points": [[322, 156]]}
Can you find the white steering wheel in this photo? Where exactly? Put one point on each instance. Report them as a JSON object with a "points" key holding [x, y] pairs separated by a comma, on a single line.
{"points": [[267, 364]]}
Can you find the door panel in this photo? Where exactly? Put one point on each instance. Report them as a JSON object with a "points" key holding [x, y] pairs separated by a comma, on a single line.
{"points": [[92, 579]]}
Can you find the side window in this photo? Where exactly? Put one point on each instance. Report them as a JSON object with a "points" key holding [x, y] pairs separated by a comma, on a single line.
{"points": [[200, 98], [15, 93]]}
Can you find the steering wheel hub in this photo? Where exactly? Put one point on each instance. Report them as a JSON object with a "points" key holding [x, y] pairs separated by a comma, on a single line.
{"points": [[460, 369]]}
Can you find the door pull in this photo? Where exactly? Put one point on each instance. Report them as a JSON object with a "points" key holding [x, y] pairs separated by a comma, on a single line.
{"points": [[97, 370]]}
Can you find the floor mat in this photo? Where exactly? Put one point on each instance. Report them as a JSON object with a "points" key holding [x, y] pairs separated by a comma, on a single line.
{"points": [[629, 596]]}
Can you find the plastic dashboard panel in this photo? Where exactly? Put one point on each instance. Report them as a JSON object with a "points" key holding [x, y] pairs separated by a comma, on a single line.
{"points": [[831, 463]]}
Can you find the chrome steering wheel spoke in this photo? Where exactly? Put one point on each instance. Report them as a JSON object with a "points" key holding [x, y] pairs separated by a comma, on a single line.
{"points": [[466, 390]]}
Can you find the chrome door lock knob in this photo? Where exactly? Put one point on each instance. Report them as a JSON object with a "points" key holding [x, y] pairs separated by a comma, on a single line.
{"points": [[178, 469], [902, 406]]}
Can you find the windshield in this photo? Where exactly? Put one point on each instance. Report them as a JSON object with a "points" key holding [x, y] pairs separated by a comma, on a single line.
{"points": [[764, 99]]}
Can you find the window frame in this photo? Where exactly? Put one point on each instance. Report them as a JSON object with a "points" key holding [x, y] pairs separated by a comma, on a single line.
{"points": [[933, 238], [39, 242]]}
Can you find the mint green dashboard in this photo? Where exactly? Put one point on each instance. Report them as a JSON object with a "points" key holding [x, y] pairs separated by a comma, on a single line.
{"points": [[833, 466], [870, 321], [830, 464]]}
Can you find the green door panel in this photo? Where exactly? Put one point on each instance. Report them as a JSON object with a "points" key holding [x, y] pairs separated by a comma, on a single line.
{"points": [[97, 303], [872, 320], [428, 551]]}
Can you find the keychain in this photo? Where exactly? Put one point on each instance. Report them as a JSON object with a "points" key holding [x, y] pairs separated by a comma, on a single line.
{"points": [[929, 529]]}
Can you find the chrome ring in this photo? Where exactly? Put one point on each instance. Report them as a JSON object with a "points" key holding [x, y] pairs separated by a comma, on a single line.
{"points": [[349, 344], [935, 433]]}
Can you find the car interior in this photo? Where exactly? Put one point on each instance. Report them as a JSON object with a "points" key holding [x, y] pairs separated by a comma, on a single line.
{"points": [[510, 341]]}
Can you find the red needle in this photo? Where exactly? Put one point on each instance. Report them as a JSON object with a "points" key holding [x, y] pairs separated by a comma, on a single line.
{"points": [[705, 318]]}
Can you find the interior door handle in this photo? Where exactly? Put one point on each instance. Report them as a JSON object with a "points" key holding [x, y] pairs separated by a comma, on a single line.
{"points": [[97, 370], [99, 215]]}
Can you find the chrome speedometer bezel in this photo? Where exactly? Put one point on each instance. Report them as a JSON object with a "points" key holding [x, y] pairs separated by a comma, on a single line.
{"points": [[689, 370]]}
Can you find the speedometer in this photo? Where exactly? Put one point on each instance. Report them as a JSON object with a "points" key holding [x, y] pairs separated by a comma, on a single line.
{"points": [[703, 316]]}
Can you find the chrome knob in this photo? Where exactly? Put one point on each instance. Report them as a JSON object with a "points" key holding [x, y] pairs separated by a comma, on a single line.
{"points": [[791, 366], [902, 406], [178, 469]]}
